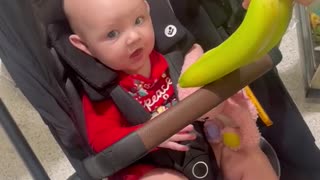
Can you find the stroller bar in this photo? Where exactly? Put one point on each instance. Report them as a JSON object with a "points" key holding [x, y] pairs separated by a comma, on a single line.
{"points": [[21, 145]]}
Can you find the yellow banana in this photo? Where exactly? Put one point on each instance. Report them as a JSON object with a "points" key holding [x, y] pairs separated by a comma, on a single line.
{"points": [[258, 32], [285, 14]]}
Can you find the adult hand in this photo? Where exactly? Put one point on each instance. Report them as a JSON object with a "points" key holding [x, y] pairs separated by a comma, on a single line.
{"points": [[184, 135], [244, 164]]}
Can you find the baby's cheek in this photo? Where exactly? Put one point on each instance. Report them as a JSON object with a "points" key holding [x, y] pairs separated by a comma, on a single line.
{"points": [[108, 60], [111, 60]]}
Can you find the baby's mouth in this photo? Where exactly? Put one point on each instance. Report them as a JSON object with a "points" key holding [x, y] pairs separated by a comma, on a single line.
{"points": [[136, 53]]}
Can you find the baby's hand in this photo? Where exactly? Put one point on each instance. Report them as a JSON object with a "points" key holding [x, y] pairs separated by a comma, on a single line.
{"points": [[184, 135]]}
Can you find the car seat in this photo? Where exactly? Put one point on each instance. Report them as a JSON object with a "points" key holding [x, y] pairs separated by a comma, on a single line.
{"points": [[38, 74]]}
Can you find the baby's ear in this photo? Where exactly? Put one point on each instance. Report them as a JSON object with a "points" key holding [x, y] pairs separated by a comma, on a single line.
{"points": [[148, 6], [76, 41]]}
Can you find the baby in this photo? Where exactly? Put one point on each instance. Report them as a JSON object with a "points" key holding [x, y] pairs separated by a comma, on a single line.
{"points": [[119, 34]]}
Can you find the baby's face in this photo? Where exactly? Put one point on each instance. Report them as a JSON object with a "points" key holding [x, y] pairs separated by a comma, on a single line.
{"points": [[119, 33]]}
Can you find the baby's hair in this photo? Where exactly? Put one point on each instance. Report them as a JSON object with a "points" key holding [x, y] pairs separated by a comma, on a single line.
{"points": [[68, 16]]}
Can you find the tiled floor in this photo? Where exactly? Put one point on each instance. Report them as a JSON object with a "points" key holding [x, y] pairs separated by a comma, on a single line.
{"points": [[36, 133], [11, 167]]}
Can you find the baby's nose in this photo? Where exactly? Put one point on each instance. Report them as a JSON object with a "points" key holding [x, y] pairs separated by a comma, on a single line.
{"points": [[133, 37]]}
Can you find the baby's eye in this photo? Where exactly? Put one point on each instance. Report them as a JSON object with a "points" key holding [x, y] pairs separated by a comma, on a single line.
{"points": [[112, 34], [139, 20]]}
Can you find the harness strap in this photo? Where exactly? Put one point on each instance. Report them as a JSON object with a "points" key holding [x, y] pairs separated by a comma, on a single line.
{"points": [[129, 107], [175, 63]]}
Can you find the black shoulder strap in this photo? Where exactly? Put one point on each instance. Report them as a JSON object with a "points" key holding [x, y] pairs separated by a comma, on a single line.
{"points": [[175, 61], [129, 107]]}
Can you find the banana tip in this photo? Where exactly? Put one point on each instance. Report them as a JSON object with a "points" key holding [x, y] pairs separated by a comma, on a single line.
{"points": [[182, 83], [185, 83]]}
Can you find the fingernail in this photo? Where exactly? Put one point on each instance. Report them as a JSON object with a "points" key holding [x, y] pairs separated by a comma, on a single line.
{"points": [[213, 132], [194, 136]]}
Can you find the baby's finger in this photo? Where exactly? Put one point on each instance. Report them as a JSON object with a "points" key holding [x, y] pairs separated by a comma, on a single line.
{"points": [[183, 137], [176, 146], [188, 128]]}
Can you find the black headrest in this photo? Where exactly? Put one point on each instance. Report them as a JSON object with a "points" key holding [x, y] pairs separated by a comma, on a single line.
{"points": [[48, 11], [164, 23], [91, 70]]}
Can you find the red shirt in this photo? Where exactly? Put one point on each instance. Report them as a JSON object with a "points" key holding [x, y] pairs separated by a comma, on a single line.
{"points": [[106, 125]]}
